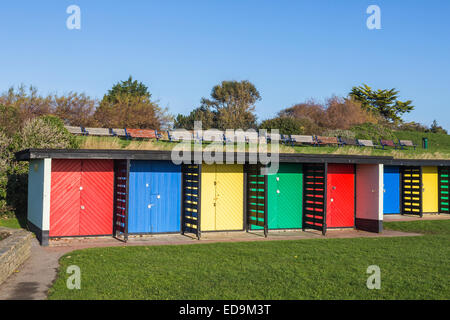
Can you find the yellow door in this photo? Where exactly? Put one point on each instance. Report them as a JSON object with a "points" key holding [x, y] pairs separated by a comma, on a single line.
{"points": [[230, 197], [430, 189], [222, 202], [208, 198]]}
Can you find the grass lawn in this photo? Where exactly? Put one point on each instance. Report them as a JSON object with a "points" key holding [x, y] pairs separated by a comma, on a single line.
{"points": [[10, 222], [411, 268]]}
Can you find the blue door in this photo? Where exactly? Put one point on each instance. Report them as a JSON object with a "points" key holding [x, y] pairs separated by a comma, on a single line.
{"points": [[154, 197], [391, 198]]}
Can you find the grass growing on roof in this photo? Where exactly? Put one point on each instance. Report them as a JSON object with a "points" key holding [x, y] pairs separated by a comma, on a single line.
{"points": [[439, 146], [411, 268]]}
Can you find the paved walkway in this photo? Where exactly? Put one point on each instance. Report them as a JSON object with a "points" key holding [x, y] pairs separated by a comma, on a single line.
{"points": [[36, 276], [33, 279]]}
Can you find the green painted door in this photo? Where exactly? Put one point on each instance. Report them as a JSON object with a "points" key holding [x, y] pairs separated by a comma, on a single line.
{"points": [[285, 197]]}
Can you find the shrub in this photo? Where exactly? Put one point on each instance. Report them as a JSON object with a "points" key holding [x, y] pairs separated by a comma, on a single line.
{"points": [[340, 133], [336, 113], [310, 110], [435, 128], [286, 125], [412, 126], [5, 159], [372, 131], [45, 132], [42, 132], [344, 113]]}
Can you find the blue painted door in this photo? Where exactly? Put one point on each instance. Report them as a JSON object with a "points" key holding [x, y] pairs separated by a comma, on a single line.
{"points": [[391, 190], [154, 197]]}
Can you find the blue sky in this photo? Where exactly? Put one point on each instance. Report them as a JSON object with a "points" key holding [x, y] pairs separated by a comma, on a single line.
{"points": [[291, 50]]}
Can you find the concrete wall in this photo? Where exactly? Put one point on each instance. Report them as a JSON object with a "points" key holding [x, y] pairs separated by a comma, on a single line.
{"points": [[39, 183], [369, 197], [14, 250]]}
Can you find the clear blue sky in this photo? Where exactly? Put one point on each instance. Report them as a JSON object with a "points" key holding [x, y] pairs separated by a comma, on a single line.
{"points": [[291, 50]]}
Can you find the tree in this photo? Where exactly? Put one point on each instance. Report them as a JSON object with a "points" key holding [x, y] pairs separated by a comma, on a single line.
{"points": [[128, 105], [75, 109], [203, 114], [27, 101], [233, 103], [344, 113], [129, 87], [10, 119], [435, 128], [384, 102]]}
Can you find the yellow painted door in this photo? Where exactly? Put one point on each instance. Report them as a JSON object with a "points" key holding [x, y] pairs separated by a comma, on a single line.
{"points": [[230, 197], [430, 189], [208, 198]]}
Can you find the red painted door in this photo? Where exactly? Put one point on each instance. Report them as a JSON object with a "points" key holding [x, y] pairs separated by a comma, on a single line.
{"points": [[340, 195], [65, 198], [97, 197], [81, 199]]}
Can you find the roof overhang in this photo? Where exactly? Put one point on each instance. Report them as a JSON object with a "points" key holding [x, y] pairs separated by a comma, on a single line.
{"points": [[30, 154]]}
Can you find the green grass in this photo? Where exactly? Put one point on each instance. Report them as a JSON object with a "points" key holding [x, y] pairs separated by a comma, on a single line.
{"points": [[436, 142], [10, 222], [411, 268]]}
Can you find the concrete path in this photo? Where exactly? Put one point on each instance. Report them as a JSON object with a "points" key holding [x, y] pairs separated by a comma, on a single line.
{"points": [[35, 277]]}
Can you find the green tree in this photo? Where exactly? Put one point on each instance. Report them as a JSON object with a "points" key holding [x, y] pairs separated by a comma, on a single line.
{"points": [[435, 128], [203, 114], [233, 103], [127, 87], [128, 105], [384, 102]]}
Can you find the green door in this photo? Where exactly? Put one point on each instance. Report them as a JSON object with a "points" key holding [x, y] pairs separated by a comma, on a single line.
{"points": [[285, 197]]}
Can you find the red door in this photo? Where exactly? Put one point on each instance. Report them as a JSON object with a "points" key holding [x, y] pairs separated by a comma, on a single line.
{"points": [[81, 199], [97, 197], [65, 198], [340, 196]]}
